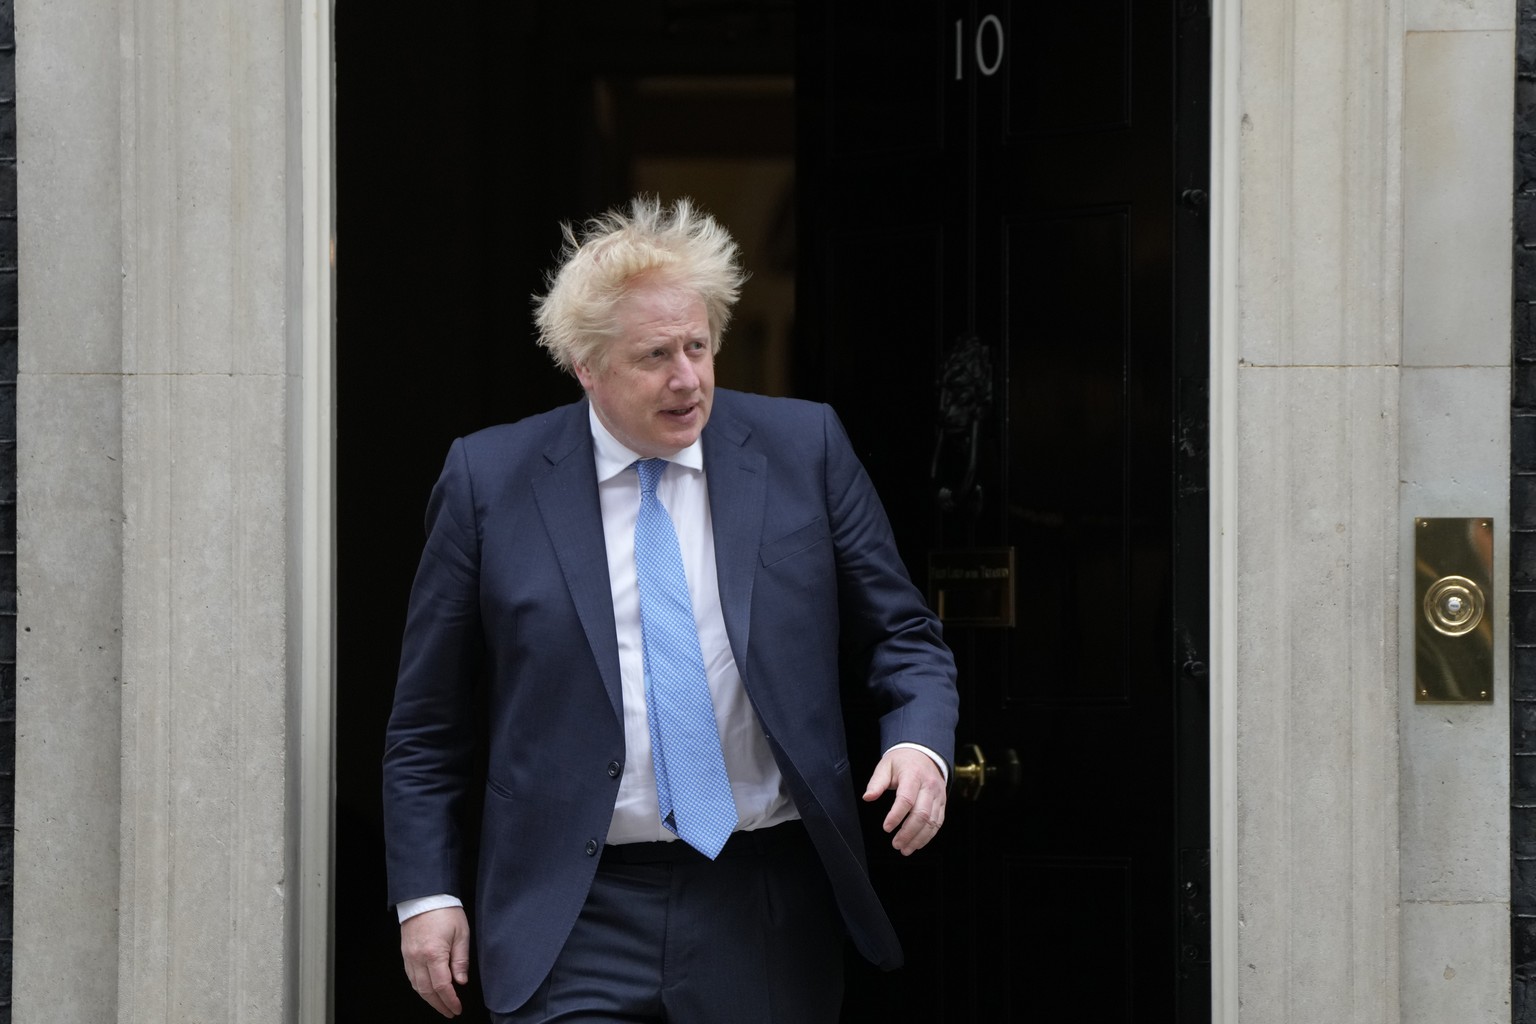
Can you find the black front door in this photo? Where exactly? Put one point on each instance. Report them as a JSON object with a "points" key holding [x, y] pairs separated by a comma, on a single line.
{"points": [[1002, 286], [1028, 177]]}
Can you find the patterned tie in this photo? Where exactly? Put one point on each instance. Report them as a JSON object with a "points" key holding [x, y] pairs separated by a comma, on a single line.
{"points": [[691, 784]]}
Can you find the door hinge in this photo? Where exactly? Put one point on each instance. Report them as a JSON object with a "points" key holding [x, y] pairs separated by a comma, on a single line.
{"points": [[1194, 908]]}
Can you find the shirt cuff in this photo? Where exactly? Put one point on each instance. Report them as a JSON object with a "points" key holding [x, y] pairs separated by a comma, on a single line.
{"points": [[410, 908], [943, 768]]}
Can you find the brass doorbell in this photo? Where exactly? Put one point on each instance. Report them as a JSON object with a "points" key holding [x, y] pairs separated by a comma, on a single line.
{"points": [[1453, 611]]}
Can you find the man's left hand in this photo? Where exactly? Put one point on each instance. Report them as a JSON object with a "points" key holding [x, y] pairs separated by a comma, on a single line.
{"points": [[920, 797]]}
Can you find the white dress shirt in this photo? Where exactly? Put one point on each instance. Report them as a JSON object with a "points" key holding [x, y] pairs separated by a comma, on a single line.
{"points": [[761, 799]]}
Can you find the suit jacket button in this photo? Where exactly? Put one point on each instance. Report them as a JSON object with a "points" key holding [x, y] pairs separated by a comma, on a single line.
{"points": [[591, 847], [614, 769]]}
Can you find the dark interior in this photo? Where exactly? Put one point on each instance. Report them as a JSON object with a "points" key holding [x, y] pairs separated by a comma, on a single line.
{"points": [[464, 139], [903, 176]]}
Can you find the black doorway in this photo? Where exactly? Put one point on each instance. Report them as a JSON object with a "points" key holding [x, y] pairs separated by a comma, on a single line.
{"points": [[464, 137], [1007, 307]]}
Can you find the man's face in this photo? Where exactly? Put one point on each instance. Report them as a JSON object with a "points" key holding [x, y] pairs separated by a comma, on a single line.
{"points": [[654, 391]]}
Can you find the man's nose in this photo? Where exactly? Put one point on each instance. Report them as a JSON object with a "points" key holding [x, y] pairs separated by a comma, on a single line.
{"points": [[685, 377]]}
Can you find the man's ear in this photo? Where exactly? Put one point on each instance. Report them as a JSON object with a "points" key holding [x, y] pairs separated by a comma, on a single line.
{"points": [[584, 376]]}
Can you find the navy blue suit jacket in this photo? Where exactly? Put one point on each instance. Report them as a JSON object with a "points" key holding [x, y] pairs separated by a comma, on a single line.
{"points": [[514, 577]]}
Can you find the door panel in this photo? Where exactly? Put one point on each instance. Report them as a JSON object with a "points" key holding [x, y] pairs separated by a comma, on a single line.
{"points": [[1043, 227], [1049, 950], [1067, 421], [889, 101], [1072, 69], [897, 367]]}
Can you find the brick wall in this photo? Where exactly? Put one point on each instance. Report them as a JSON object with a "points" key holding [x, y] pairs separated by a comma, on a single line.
{"points": [[1522, 514]]}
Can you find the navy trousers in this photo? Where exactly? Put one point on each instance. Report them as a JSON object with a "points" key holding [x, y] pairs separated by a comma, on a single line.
{"points": [[753, 937]]}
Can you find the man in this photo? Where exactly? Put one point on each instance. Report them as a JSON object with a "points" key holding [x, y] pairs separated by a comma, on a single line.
{"points": [[659, 581]]}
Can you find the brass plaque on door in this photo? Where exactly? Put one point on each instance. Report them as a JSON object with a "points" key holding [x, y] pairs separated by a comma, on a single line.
{"points": [[971, 586], [1453, 610]]}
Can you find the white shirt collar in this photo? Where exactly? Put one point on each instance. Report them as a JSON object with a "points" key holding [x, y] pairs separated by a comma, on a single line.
{"points": [[613, 457]]}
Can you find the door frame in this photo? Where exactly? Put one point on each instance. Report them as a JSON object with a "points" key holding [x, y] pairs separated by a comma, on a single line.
{"points": [[1226, 114], [312, 644], [312, 479]]}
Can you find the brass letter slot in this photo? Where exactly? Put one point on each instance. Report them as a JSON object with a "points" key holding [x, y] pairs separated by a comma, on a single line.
{"points": [[971, 586], [1453, 611]]}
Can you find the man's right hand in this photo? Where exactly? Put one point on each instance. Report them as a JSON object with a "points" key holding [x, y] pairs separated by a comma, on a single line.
{"points": [[435, 947]]}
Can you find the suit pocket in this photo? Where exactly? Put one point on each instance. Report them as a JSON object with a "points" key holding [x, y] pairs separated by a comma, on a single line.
{"points": [[796, 541]]}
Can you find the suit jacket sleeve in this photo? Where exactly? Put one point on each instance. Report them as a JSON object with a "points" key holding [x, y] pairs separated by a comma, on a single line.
{"points": [[430, 740], [888, 631]]}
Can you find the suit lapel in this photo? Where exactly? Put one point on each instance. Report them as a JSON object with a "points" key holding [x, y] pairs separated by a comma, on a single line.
{"points": [[738, 481], [567, 500]]}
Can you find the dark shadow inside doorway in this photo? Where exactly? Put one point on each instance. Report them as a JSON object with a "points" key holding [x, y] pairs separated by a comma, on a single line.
{"points": [[464, 136], [467, 133]]}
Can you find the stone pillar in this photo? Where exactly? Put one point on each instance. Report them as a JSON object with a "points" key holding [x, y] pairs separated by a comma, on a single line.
{"points": [[160, 392], [1317, 575], [1458, 159], [69, 513], [1370, 354]]}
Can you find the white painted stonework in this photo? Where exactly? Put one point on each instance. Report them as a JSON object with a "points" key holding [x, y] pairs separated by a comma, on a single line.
{"points": [[1362, 371], [175, 250]]}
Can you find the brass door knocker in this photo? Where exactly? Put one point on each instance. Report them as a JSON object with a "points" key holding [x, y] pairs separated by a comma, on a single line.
{"points": [[965, 397]]}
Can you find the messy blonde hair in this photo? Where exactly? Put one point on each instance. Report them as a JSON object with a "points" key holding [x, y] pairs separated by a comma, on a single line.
{"points": [[678, 245]]}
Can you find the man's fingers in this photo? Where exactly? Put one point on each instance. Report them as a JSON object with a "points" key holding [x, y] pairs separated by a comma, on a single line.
{"points": [[446, 1004], [434, 984], [920, 819], [917, 812], [422, 981], [919, 827], [440, 989], [900, 808], [444, 998], [879, 782], [435, 948], [460, 957]]}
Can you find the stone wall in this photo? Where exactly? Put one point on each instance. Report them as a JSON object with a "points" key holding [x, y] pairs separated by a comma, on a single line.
{"points": [[1458, 66], [1371, 360], [1316, 352], [69, 513], [164, 398]]}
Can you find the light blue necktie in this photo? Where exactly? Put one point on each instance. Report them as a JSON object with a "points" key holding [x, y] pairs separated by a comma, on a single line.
{"points": [[691, 784]]}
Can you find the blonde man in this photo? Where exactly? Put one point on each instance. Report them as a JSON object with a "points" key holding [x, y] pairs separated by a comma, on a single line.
{"points": [[659, 579]]}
